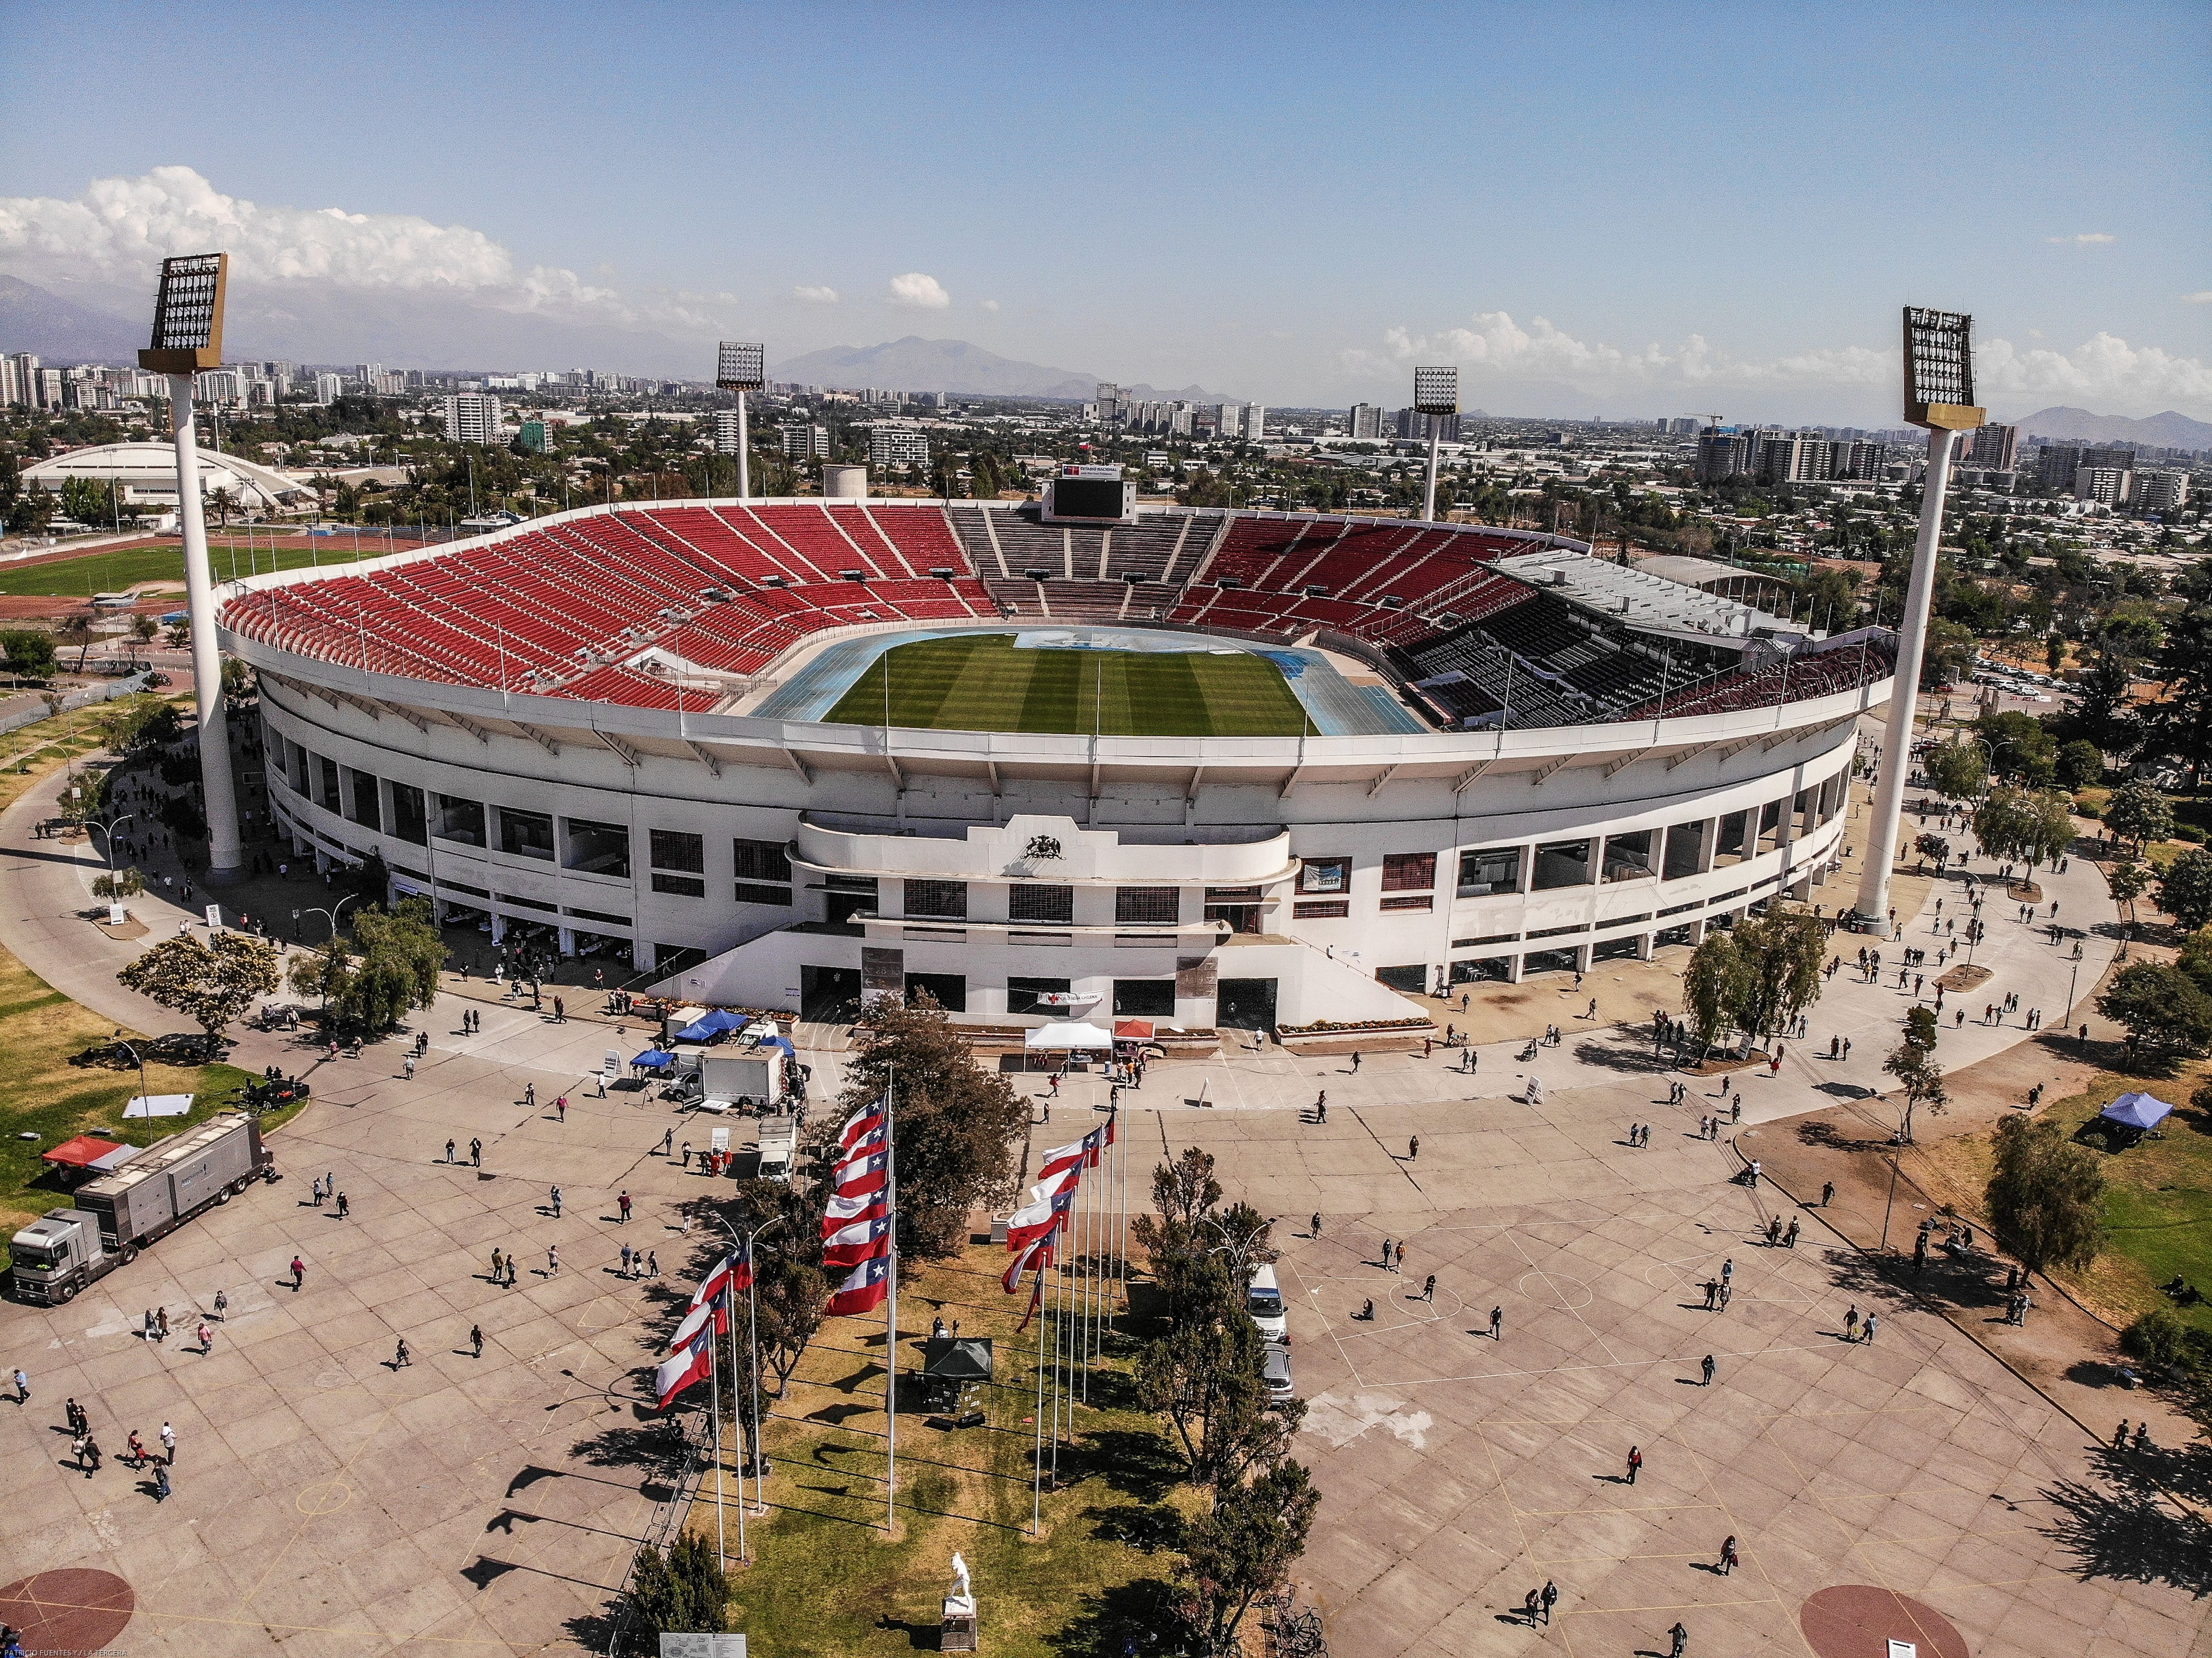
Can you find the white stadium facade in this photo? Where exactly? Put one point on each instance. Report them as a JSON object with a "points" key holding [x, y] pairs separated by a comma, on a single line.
{"points": [[606, 727]]}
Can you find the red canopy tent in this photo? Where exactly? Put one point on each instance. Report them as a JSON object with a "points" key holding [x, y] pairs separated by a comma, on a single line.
{"points": [[83, 1152]]}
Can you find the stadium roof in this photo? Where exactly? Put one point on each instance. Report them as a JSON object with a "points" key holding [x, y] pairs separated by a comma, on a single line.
{"points": [[147, 472], [1639, 598]]}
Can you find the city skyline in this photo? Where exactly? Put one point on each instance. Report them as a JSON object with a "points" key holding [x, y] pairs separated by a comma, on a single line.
{"points": [[1605, 215]]}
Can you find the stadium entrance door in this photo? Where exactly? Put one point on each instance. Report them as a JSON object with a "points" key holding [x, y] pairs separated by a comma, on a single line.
{"points": [[828, 996], [1246, 1004]]}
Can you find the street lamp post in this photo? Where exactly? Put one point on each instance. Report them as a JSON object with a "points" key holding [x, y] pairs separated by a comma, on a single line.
{"points": [[752, 1373]]}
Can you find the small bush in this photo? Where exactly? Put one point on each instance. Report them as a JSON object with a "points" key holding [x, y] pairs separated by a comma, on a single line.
{"points": [[2190, 832], [2087, 808], [2155, 1339]]}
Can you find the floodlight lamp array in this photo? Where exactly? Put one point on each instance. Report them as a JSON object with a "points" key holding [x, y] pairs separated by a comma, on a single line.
{"points": [[1939, 371], [1436, 391], [188, 314], [741, 365]]}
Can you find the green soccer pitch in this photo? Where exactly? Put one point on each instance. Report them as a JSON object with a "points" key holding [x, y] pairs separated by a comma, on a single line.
{"points": [[981, 682]]}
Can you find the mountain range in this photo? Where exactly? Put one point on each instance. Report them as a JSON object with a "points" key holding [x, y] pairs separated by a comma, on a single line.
{"points": [[915, 364], [62, 331], [2168, 430]]}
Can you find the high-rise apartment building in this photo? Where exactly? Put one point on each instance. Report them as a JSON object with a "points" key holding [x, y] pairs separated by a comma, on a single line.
{"points": [[1724, 452], [329, 388], [2108, 485], [473, 417], [897, 446], [1111, 409], [1996, 449], [1255, 422], [1365, 420], [2160, 490], [2056, 465], [805, 443], [725, 431], [16, 370]]}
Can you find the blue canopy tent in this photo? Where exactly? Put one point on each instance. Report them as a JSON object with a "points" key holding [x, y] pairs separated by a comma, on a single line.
{"points": [[717, 1023], [653, 1059], [2137, 1111]]}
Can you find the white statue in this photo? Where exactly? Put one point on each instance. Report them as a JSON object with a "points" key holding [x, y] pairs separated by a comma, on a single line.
{"points": [[962, 1588]]}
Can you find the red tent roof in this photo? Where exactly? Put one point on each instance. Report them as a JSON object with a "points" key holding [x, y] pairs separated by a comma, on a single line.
{"points": [[1133, 1030], [82, 1152]]}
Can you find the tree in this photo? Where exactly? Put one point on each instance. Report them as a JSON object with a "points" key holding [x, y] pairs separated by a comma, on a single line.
{"points": [[76, 629], [2184, 892], [395, 960], [1781, 954], [1712, 987], [1949, 656], [2127, 883], [1204, 1376], [210, 984], [2015, 824], [1932, 846], [2160, 1007], [29, 652], [2139, 812], [125, 882], [685, 1593], [2079, 765], [1246, 1546], [2178, 725], [1915, 1067], [2022, 749], [2046, 1198], [1956, 770], [2100, 713], [2195, 960], [956, 1127]]}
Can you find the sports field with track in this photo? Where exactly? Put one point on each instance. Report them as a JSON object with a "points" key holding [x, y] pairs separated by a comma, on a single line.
{"points": [[982, 682]]}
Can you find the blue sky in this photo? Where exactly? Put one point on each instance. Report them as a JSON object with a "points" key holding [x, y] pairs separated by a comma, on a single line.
{"points": [[1709, 206]]}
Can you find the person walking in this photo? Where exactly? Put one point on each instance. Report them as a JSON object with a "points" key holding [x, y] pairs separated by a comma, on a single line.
{"points": [[1705, 1366], [401, 1358], [1429, 1290], [168, 1445], [622, 1203], [1355, 1062], [1312, 1230], [1867, 1333], [1386, 1254], [161, 1483], [476, 1340], [625, 1260], [556, 1203], [1712, 1294], [23, 1386], [1681, 1637], [1529, 1605], [1790, 1235], [1549, 1599], [299, 1274], [134, 1451], [530, 1096], [561, 1109], [1498, 1324], [1827, 1193], [449, 1148], [73, 1414], [1728, 1558], [1398, 1262], [475, 1153], [345, 1206], [1414, 1149], [497, 1262], [407, 1072], [652, 1263], [222, 1307], [1635, 1462], [1773, 1231], [1851, 1323], [207, 1338], [553, 1261]]}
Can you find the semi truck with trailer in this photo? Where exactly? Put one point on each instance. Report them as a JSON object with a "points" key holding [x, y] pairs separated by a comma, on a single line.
{"points": [[139, 1200]]}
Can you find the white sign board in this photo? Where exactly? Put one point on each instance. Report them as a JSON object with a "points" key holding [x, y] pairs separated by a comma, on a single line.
{"points": [[159, 1105], [702, 1646], [214, 917], [1904, 1649], [611, 1066], [115, 916], [722, 1141]]}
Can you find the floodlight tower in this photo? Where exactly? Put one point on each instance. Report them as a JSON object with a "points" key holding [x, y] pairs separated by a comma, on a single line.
{"points": [[1939, 395], [740, 367], [1436, 394], [188, 339]]}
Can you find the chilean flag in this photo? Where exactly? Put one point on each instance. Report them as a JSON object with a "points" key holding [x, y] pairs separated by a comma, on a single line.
{"points": [[859, 1175], [858, 1124], [1038, 1254], [695, 1319], [1063, 1157], [1113, 1117], [843, 1211], [1048, 1202], [688, 1364], [1096, 1141], [862, 1240], [735, 1272], [874, 1140], [864, 1290]]}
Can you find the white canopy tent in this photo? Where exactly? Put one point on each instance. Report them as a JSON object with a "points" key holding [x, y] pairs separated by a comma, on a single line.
{"points": [[1067, 1034]]}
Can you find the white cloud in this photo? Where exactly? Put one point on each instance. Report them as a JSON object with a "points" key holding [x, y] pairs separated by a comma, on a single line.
{"points": [[2203, 297], [2104, 372], [815, 295], [990, 305], [919, 292], [119, 229], [2086, 239]]}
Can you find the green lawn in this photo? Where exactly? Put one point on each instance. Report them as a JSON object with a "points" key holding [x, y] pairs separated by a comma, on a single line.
{"points": [[117, 569], [982, 682]]}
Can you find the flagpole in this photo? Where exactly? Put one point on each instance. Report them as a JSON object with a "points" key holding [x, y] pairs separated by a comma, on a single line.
{"points": [[1088, 1327], [714, 1386], [744, 1556], [890, 1338], [1037, 1468], [1059, 1333]]}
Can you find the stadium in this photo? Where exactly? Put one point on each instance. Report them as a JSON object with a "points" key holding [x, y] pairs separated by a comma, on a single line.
{"points": [[1212, 767]]}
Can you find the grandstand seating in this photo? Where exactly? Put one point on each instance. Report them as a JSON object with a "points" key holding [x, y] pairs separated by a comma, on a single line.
{"points": [[563, 608]]}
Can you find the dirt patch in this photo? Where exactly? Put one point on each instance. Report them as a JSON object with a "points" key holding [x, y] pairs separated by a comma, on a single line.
{"points": [[2024, 891], [1964, 976], [1720, 1064]]}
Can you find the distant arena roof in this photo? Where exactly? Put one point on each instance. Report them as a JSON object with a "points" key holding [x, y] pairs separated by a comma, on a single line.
{"points": [[147, 474]]}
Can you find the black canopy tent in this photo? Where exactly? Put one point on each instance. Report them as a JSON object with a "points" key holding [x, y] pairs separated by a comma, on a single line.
{"points": [[949, 1365]]}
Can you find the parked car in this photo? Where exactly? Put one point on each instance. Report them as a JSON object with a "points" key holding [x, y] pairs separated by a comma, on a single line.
{"points": [[1263, 1299], [1275, 1369]]}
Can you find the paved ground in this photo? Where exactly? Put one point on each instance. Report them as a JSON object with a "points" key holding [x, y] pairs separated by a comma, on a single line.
{"points": [[326, 1502]]}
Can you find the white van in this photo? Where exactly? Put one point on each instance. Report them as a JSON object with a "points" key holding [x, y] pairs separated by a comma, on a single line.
{"points": [[1264, 1301]]}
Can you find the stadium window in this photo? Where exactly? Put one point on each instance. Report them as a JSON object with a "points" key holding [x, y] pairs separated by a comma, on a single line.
{"points": [[1158, 903], [760, 860], [598, 849], [939, 900], [1029, 900], [1628, 857], [1411, 901], [326, 777], [410, 822], [1832, 795], [1325, 875], [1685, 849], [526, 834], [1730, 846], [1770, 826], [461, 820], [1493, 870], [749, 893], [366, 808], [1409, 872], [682, 886], [672, 849], [1321, 909], [1562, 863]]}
